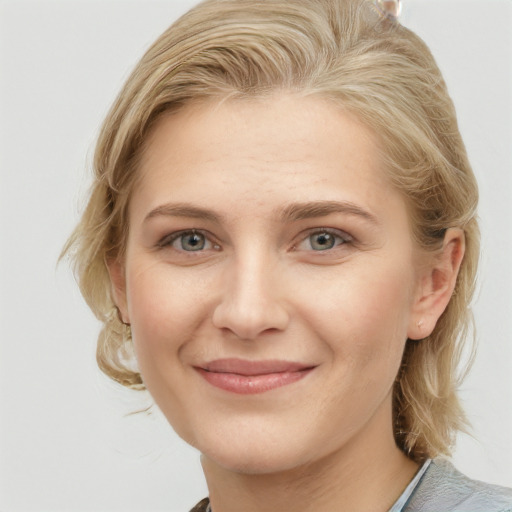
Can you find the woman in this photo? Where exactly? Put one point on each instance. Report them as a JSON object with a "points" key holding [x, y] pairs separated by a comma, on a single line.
{"points": [[282, 233]]}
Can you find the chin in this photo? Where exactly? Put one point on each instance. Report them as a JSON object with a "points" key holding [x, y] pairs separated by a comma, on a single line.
{"points": [[254, 455], [254, 463]]}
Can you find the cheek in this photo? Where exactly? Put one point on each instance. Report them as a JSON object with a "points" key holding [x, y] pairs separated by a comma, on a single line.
{"points": [[165, 309], [363, 314]]}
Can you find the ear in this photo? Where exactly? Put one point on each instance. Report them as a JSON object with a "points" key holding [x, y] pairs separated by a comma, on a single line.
{"points": [[436, 284], [118, 284]]}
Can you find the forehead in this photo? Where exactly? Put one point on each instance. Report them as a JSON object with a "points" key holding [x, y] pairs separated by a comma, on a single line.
{"points": [[263, 152]]}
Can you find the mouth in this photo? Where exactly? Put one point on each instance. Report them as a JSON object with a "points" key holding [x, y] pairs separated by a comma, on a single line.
{"points": [[252, 377]]}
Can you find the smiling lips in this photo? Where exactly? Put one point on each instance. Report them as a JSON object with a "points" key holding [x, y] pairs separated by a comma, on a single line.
{"points": [[251, 377]]}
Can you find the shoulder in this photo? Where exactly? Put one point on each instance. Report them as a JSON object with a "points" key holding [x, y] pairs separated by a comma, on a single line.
{"points": [[444, 489]]}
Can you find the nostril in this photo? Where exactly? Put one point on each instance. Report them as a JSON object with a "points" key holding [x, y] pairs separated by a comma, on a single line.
{"points": [[248, 322]]}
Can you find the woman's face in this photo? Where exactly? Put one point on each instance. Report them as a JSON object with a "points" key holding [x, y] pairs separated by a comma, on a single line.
{"points": [[270, 281]]}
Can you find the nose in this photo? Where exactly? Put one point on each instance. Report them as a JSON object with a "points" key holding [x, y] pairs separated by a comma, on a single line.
{"points": [[252, 301]]}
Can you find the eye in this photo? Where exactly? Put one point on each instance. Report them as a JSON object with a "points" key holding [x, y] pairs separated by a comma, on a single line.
{"points": [[324, 240], [188, 241]]}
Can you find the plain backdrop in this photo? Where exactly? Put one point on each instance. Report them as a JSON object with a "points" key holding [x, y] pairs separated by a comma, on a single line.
{"points": [[66, 441]]}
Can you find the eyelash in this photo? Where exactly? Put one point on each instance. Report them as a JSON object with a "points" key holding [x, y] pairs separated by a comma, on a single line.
{"points": [[342, 237]]}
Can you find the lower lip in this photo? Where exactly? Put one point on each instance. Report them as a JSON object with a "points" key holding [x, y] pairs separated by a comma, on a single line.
{"points": [[252, 384]]}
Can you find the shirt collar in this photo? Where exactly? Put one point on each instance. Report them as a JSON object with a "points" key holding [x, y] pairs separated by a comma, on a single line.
{"points": [[404, 498]]}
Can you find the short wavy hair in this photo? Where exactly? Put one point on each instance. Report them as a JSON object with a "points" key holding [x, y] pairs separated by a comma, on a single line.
{"points": [[342, 50]]}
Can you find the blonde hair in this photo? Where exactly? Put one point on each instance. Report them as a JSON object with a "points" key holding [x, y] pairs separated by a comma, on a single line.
{"points": [[342, 50]]}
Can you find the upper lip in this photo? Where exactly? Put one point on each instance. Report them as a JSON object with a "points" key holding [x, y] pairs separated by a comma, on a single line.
{"points": [[251, 368]]}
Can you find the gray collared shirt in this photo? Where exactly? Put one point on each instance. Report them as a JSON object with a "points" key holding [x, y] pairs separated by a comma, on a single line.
{"points": [[439, 487]]}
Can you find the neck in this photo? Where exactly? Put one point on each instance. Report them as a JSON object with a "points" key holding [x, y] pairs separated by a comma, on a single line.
{"points": [[368, 473]]}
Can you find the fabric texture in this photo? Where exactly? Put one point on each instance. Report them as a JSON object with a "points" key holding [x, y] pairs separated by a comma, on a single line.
{"points": [[444, 489], [409, 490], [441, 488]]}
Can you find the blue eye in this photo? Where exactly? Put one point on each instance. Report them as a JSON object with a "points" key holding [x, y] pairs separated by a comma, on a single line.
{"points": [[187, 241], [322, 241], [190, 241]]}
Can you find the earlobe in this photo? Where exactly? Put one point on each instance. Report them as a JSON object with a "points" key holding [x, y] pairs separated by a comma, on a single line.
{"points": [[436, 285], [118, 286]]}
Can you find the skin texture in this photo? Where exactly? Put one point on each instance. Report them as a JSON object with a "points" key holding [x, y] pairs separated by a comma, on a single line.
{"points": [[274, 278]]}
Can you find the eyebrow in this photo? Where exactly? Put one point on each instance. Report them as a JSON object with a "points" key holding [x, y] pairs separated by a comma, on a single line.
{"points": [[290, 213], [183, 210], [307, 210]]}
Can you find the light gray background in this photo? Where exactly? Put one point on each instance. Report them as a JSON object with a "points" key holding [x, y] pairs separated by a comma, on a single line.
{"points": [[65, 442]]}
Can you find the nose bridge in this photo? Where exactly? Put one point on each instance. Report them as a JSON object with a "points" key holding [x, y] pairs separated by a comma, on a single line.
{"points": [[252, 300]]}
